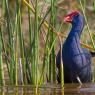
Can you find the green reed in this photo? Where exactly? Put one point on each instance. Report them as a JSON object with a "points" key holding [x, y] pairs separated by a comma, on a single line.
{"points": [[49, 58], [51, 63], [10, 46], [1, 61], [94, 5], [36, 45], [83, 10], [31, 43]]}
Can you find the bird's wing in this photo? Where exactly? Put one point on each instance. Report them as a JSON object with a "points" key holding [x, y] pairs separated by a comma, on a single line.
{"points": [[87, 55]]}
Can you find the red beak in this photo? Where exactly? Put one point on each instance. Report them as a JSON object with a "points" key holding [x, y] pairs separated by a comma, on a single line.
{"points": [[69, 17]]}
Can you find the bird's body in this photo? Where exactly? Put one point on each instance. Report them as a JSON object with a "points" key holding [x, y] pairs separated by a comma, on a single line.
{"points": [[76, 60]]}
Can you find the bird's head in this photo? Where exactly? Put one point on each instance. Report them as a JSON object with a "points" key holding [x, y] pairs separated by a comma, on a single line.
{"points": [[74, 17]]}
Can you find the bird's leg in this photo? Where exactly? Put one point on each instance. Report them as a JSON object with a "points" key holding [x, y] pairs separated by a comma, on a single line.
{"points": [[78, 79]]}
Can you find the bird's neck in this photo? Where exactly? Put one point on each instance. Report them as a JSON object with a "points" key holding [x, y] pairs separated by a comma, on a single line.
{"points": [[76, 29], [72, 43]]}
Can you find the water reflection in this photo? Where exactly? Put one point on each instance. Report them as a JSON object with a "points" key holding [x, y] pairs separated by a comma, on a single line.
{"points": [[87, 89]]}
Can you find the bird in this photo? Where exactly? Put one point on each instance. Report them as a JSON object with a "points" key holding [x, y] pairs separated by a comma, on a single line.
{"points": [[76, 59]]}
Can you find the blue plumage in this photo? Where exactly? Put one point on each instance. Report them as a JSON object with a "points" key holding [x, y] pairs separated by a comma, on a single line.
{"points": [[76, 60]]}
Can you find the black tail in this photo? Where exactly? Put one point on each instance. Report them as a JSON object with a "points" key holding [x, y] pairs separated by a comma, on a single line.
{"points": [[93, 54]]}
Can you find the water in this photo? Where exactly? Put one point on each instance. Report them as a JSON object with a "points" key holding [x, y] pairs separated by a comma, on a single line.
{"points": [[69, 89]]}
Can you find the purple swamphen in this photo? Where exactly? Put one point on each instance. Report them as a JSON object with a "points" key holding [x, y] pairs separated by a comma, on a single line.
{"points": [[76, 60]]}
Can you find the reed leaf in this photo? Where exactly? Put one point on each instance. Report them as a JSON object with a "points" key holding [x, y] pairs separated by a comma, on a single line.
{"points": [[2, 82], [10, 42], [21, 42], [36, 45]]}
